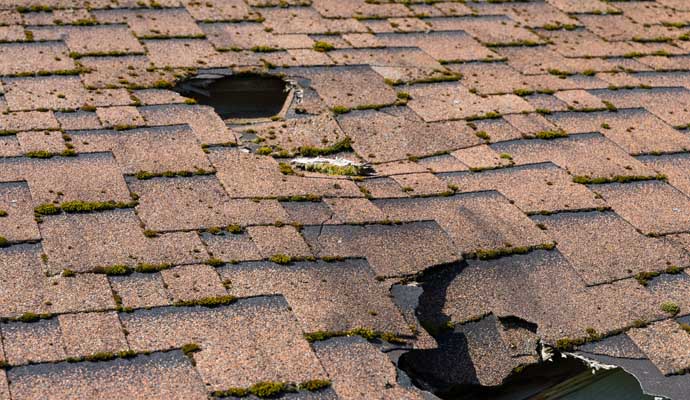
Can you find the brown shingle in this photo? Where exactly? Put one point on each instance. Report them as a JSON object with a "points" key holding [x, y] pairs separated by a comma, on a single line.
{"points": [[314, 292], [89, 333]]}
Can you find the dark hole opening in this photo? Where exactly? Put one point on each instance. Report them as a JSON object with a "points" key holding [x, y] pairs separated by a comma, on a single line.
{"points": [[237, 96]]}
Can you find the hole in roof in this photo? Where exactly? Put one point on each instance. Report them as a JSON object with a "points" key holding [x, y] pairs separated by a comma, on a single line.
{"points": [[242, 96]]}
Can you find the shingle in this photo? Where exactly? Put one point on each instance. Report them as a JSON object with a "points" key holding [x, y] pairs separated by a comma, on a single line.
{"points": [[636, 131], [675, 167], [88, 177], [104, 39], [89, 333], [359, 370], [353, 211], [444, 101], [314, 292], [574, 154], [83, 242], [20, 58], [231, 335], [672, 105], [83, 292], [154, 149], [231, 247], [39, 341], [175, 22], [219, 10], [17, 224], [481, 157], [140, 290], [543, 187], [307, 20], [124, 116], [50, 141], [206, 124], [349, 86], [184, 53], [193, 282], [158, 376], [473, 221], [652, 207], [391, 250], [666, 345], [272, 240], [456, 46], [522, 286], [488, 29], [360, 8], [121, 71], [23, 287], [198, 202], [380, 136], [603, 247], [249, 175], [315, 131]]}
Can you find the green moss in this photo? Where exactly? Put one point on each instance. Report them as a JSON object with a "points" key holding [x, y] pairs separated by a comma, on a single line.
{"points": [[609, 106], [151, 268], [78, 206], [559, 73], [264, 151], [340, 110], [314, 385], [67, 273], [365, 333], [190, 348], [644, 277], [208, 301], [101, 356], [29, 317], [286, 169], [322, 46], [547, 135], [523, 92], [340, 146], [149, 233], [234, 229], [670, 308], [39, 154], [673, 270], [215, 262], [403, 96], [490, 254], [3, 213], [685, 327], [143, 175], [231, 392], [114, 270], [330, 169], [301, 198], [268, 389], [489, 115], [483, 135], [586, 180], [46, 209], [567, 344], [281, 259], [264, 49]]}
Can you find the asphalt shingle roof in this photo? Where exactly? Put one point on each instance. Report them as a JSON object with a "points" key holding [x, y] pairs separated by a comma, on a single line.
{"points": [[536, 154]]}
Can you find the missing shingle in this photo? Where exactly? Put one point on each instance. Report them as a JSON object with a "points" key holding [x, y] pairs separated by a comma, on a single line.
{"points": [[240, 96]]}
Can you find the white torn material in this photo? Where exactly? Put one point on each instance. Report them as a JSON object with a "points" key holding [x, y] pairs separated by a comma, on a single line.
{"points": [[304, 162], [594, 365]]}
